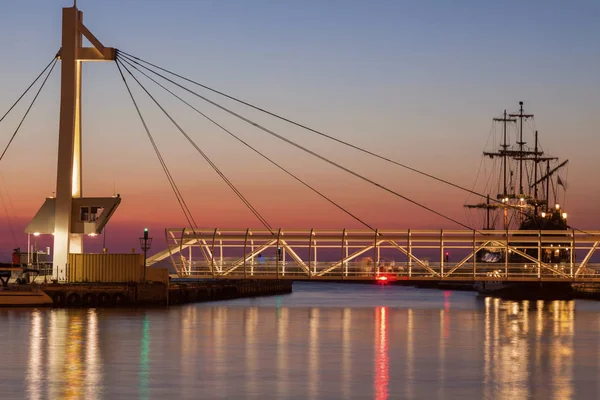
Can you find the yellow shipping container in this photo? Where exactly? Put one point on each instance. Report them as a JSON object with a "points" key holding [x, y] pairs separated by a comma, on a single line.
{"points": [[119, 268]]}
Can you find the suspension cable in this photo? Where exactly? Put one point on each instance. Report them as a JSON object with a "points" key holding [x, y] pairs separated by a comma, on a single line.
{"points": [[280, 117], [250, 146], [310, 151], [28, 109], [29, 87], [182, 204], [134, 59], [208, 160]]}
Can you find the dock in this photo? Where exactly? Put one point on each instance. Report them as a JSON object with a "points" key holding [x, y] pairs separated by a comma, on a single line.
{"points": [[137, 294]]}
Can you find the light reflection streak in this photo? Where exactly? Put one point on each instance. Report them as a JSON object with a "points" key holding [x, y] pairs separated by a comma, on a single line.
{"points": [[144, 372], [410, 356], [562, 348], [250, 325], [442, 351], [35, 375], [487, 350], [381, 354], [346, 352], [313, 353], [93, 371], [218, 335], [282, 354], [73, 367], [188, 341], [509, 351], [56, 343]]}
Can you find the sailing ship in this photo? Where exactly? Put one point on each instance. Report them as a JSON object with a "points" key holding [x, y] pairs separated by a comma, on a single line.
{"points": [[528, 193], [529, 182]]}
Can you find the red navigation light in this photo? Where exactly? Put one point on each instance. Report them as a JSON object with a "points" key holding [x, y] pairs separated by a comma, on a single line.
{"points": [[382, 279]]}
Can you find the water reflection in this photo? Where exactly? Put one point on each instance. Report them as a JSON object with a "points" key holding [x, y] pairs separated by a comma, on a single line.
{"points": [[251, 349], [92, 361], [282, 353], [64, 364], [382, 368], [346, 351], [34, 365], [144, 369], [514, 367], [313, 352], [486, 348]]}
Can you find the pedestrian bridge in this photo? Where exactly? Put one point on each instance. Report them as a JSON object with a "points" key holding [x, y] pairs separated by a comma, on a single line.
{"points": [[353, 254]]}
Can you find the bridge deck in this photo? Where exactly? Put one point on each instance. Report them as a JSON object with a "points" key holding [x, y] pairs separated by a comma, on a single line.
{"points": [[415, 255]]}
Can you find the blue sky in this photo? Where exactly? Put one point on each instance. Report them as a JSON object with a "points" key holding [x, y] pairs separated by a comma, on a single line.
{"points": [[415, 81]]}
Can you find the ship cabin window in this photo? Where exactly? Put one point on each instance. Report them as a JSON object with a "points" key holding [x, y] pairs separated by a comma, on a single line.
{"points": [[90, 214]]}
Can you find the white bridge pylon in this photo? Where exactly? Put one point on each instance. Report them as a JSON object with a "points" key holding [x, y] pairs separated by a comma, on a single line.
{"points": [[355, 254]]}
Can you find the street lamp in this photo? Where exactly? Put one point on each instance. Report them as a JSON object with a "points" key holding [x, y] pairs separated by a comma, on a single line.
{"points": [[145, 244], [35, 236]]}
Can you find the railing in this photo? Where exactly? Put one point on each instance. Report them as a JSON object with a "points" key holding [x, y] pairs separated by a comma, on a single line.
{"points": [[360, 254]]}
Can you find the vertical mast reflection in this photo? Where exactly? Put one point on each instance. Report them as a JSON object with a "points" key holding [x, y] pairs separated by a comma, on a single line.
{"points": [[381, 354]]}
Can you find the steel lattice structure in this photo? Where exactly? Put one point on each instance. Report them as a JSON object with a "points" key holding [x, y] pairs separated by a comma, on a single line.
{"points": [[365, 255]]}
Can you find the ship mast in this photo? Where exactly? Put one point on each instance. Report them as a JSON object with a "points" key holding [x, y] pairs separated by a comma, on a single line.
{"points": [[504, 146], [521, 143], [525, 202], [535, 170]]}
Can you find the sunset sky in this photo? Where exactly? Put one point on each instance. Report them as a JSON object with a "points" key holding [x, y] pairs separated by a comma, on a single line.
{"points": [[418, 82]]}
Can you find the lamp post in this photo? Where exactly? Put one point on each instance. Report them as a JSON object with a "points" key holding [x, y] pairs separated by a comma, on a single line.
{"points": [[145, 244], [35, 249]]}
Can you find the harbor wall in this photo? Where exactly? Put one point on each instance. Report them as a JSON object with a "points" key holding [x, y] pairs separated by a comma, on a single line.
{"points": [[158, 293]]}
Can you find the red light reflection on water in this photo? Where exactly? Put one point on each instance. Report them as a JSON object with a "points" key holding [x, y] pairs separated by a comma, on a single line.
{"points": [[382, 365]]}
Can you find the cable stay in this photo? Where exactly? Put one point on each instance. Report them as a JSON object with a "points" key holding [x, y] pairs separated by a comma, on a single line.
{"points": [[28, 108], [210, 162], [139, 62], [272, 133], [50, 65], [251, 147], [180, 200], [134, 59], [290, 121], [29, 87]]}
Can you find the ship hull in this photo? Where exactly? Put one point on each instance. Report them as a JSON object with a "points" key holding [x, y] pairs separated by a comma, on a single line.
{"points": [[17, 298], [526, 290]]}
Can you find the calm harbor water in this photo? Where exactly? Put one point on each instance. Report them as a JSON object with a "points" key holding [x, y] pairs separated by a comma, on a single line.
{"points": [[323, 341]]}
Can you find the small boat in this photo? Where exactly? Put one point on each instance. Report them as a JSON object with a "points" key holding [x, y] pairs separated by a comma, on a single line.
{"points": [[23, 296], [20, 295]]}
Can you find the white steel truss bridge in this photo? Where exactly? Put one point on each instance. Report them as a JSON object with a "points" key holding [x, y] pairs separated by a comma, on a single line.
{"points": [[352, 254]]}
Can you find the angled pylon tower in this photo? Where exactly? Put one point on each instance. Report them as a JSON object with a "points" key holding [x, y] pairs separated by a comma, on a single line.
{"points": [[69, 216]]}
